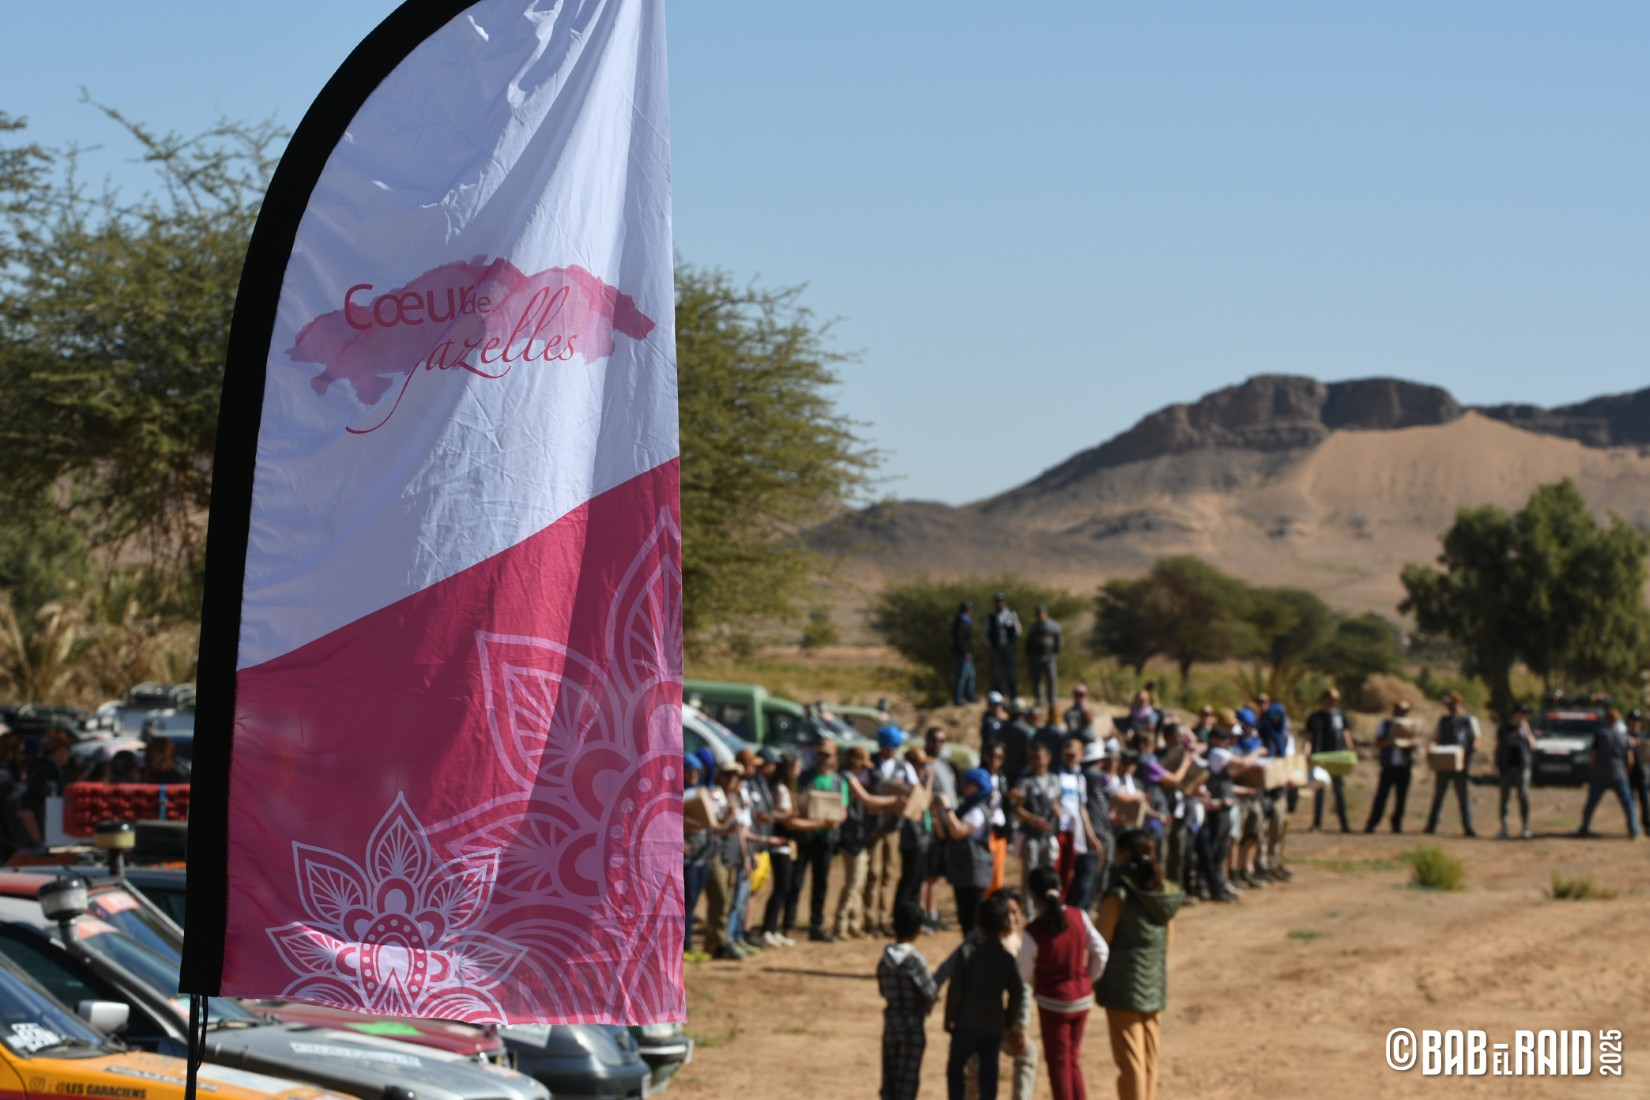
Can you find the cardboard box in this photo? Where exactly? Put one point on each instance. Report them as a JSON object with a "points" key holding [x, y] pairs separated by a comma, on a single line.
{"points": [[1407, 733], [1132, 814], [1447, 758], [917, 804], [823, 806], [698, 811], [1197, 774]]}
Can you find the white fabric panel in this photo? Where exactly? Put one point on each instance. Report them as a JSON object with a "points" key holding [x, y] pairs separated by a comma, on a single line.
{"points": [[531, 132]]}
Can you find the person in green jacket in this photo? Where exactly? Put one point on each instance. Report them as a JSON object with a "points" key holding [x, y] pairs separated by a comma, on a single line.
{"points": [[1135, 921]]}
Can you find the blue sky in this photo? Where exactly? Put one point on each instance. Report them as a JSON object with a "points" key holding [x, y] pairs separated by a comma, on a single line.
{"points": [[1037, 223]]}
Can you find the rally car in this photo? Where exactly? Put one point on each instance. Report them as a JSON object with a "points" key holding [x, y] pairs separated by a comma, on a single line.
{"points": [[1564, 743], [83, 957], [47, 1053]]}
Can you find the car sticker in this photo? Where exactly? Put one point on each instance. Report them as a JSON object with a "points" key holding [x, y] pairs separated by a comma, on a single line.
{"points": [[154, 1075], [30, 1037], [385, 1027], [326, 1051], [536, 1034], [113, 901]]}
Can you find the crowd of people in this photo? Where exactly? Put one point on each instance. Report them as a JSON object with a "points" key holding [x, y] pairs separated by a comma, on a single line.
{"points": [[34, 769], [1114, 822]]}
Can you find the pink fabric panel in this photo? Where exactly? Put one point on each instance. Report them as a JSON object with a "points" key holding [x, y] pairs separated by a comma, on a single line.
{"points": [[467, 805]]}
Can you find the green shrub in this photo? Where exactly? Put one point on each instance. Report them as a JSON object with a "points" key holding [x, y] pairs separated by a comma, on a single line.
{"points": [[1581, 888], [1431, 869]]}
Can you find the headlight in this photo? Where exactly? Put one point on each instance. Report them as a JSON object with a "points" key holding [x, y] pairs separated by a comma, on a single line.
{"points": [[661, 1031]]}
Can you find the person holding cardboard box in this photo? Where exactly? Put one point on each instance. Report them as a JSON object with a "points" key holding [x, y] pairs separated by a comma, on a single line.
{"points": [[890, 775], [1395, 748], [1458, 730], [727, 855], [1326, 730], [820, 789]]}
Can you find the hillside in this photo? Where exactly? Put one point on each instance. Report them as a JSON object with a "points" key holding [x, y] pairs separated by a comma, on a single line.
{"points": [[1279, 480]]}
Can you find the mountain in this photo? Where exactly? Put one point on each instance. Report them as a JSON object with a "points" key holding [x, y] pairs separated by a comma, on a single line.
{"points": [[1279, 480]]}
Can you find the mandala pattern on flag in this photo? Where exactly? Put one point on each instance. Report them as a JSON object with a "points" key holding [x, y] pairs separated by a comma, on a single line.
{"points": [[563, 888]]}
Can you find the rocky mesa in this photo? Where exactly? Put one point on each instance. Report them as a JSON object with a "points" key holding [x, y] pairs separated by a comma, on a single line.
{"points": [[1280, 480]]}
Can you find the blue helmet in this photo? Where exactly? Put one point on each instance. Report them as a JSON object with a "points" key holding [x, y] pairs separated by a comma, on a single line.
{"points": [[1246, 716], [890, 737], [979, 777]]}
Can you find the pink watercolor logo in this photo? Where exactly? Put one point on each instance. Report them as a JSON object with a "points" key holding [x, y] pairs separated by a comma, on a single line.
{"points": [[486, 319]]}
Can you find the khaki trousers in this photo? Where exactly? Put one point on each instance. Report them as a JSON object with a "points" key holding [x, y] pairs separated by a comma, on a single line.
{"points": [[880, 890], [1134, 1038], [1276, 830], [850, 903]]}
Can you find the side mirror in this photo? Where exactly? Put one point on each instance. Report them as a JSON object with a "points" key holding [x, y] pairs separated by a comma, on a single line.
{"points": [[109, 1017]]}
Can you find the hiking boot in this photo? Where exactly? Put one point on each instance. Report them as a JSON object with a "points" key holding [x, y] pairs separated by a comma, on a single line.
{"points": [[823, 937], [1502, 835], [1527, 833]]}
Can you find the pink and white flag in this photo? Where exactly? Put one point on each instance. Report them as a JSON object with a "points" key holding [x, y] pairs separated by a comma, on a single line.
{"points": [[439, 740]]}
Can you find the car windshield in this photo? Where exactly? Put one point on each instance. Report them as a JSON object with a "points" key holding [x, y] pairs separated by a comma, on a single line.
{"points": [[159, 971], [30, 1021], [117, 907], [1571, 725]]}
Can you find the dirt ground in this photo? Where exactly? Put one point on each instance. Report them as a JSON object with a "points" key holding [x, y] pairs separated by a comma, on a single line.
{"points": [[1289, 992]]}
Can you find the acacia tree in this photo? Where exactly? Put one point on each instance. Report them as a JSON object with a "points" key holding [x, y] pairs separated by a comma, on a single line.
{"points": [[1548, 586], [115, 315], [1126, 625], [1199, 611], [764, 451]]}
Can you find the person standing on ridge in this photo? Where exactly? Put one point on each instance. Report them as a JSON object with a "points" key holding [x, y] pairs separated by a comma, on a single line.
{"points": [[1002, 641], [1042, 650], [962, 655]]}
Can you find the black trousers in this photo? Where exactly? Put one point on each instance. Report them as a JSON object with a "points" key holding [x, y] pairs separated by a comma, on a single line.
{"points": [[813, 861], [1339, 786], [781, 902], [968, 906], [1396, 780], [1005, 676], [913, 869], [1214, 840]]}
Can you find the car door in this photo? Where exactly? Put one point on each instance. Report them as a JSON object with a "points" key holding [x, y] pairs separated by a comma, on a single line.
{"points": [[72, 981]]}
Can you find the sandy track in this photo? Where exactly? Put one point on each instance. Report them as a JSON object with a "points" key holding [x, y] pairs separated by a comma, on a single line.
{"points": [[1288, 993]]}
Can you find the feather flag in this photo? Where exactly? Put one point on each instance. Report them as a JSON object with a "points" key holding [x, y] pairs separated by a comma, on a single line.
{"points": [[439, 735]]}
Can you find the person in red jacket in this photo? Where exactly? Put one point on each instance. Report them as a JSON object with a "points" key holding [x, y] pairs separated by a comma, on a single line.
{"points": [[1061, 957]]}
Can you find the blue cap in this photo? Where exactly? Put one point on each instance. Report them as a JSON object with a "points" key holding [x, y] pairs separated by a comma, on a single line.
{"points": [[1276, 711], [767, 755], [890, 737], [694, 764], [979, 777], [1246, 716]]}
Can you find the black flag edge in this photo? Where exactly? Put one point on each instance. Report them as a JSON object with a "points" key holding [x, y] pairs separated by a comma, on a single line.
{"points": [[240, 418]]}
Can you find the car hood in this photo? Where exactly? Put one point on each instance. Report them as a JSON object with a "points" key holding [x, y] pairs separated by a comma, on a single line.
{"points": [[364, 1065]]}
